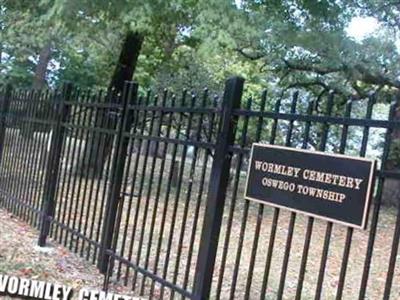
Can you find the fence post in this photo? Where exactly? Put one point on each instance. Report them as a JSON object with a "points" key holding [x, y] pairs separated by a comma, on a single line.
{"points": [[117, 172], [5, 106], [53, 163], [217, 189]]}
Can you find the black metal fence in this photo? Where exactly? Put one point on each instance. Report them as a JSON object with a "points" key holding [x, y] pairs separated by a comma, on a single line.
{"points": [[150, 188]]}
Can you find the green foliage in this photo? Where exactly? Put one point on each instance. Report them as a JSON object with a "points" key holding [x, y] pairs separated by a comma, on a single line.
{"points": [[273, 44], [86, 38]]}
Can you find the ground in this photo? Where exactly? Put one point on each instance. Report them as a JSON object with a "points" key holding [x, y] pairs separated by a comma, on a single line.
{"points": [[241, 255], [20, 256]]}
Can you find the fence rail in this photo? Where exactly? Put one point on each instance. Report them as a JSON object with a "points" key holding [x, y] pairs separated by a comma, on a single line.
{"points": [[150, 189]]}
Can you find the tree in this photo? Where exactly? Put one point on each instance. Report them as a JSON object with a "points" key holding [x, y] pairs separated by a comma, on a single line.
{"points": [[281, 45], [167, 26], [304, 44], [29, 37]]}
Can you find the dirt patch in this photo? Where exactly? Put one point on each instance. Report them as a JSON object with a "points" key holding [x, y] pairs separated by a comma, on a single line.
{"points": [[20, 256]]}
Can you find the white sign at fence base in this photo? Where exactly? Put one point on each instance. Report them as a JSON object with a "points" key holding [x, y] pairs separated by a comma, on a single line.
{"points": [[34, 289]]}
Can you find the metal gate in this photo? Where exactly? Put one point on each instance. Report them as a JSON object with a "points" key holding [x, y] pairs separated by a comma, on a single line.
{"points": [[166, 214]]}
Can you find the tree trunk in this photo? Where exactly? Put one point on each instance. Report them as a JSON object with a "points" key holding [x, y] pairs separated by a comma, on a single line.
{"points": [[391, 192], [1, 58], [127, 60], [391, 188], [39, 81], [175, 172], [98, 146]]}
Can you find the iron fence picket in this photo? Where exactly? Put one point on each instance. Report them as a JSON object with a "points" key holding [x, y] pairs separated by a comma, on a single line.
{"points": [[310, 221], [329, 225], [260, 211], [129, 195], [152, 170], [116, 175], [190, 187], [392, 259], [206, 157], [105, 176], [5, 107], [178, 187], [54, 158], [135, 181], [243, 137], [349, 234], [377, 205], [217, 189], [293, 215], [275, 217], [31, 160], [82, 188], [100, 120], [141, 190]]}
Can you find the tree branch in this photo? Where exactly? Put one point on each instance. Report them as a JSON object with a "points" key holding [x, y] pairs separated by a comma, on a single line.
{"points": [[354, 74], [376, 78], [309, 84], [312, 68], [251, 56]]}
